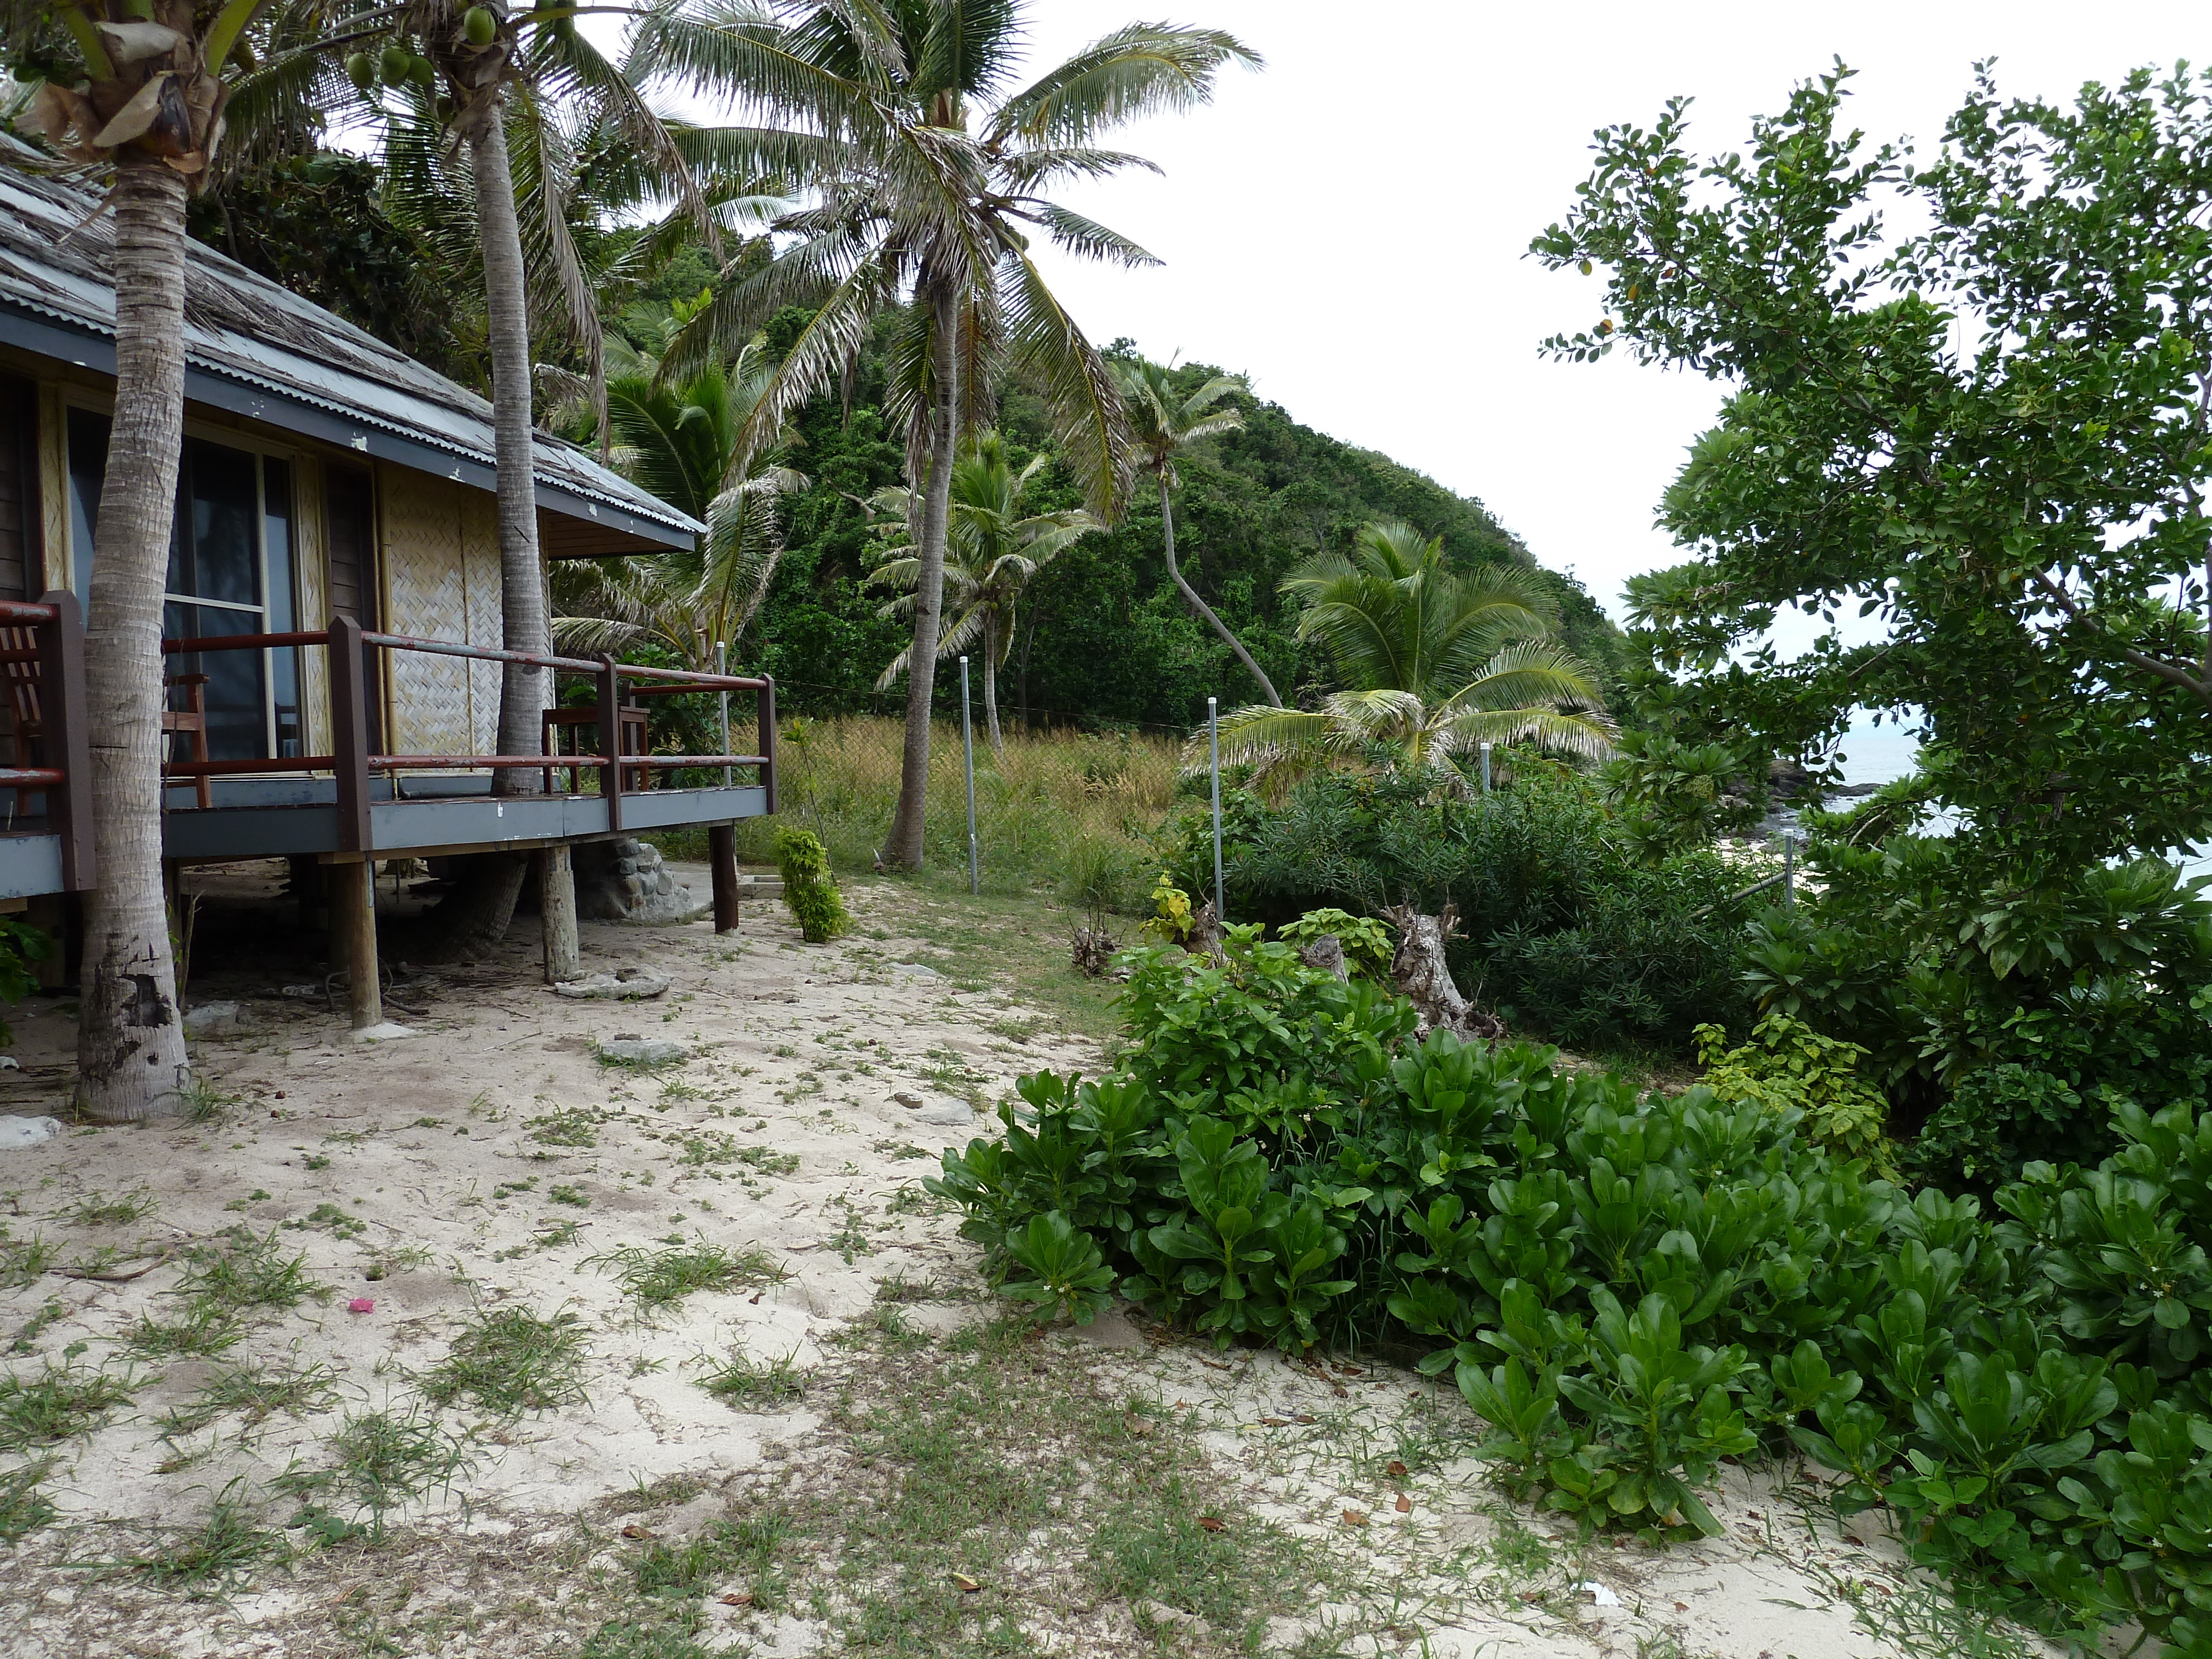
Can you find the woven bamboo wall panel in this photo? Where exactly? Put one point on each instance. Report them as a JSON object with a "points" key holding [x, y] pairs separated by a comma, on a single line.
{"points": [[426, 581], [484, 624]]}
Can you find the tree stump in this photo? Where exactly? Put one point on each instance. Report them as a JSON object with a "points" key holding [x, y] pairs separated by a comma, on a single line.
{"points": [[1421, 976]]}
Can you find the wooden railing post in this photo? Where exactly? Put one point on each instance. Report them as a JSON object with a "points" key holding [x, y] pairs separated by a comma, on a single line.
{"points": [[350, 732], [61, 703], [767, 737], [610, 775]]}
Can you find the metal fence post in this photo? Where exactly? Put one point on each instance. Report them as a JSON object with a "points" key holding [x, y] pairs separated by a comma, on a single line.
{"points": [[968, 758], [1213, 749], [1789, 873], [722, 666], [1485, 768]]}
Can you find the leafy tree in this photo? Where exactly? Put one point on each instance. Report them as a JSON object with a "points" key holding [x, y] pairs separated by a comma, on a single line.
{"points": [[1436, 664], [1163, 420], [926, 177], [145, 96], [1992, 435], [681, 443], [993, 551]]}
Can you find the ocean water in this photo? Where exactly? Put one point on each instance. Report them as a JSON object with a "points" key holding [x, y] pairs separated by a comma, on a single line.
{"points": [[1885, 753]]}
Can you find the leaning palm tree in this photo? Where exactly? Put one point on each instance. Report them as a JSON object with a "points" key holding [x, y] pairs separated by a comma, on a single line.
{"points": [[139, 95], [927, 175], [681, 443], [1163, 422], [1435, 662], [992, 552]]}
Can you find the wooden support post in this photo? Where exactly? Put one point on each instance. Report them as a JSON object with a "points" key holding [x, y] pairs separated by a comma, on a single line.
{"points": [[722, 858], [557, 907], [67, 740], [610, 777], [766, 737], [353, 936], [349, 737]]}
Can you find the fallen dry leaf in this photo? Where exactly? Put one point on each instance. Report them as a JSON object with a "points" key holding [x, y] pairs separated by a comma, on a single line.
{"points": [[1212, 1523], [1355, 1517], [1138, 1428], [1681, 1607], [634, 1530], [1394, 1469], [1405, 1504], [966, 1585], [1274, 1422], [1305, 1417], [1215, 1365], [737, 1598]]}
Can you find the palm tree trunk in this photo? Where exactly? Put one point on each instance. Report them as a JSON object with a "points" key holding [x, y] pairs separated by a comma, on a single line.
{"points": [[1190, 595], [991, 683], [522, 593], [131, 1042], [903, 848]]}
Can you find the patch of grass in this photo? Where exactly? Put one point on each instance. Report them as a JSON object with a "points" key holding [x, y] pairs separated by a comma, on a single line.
{"points": [[23, 1507], [379, 1463], [509, 1188], [317, 1161], [634, 1638], [113, 1211], [239, 1272], [258, 1392], [753, 1385], [975, 1457], [897, 1150], [510, 1361], [59, 1403], [725, 1555], [388, 1263], [52, 1312], [573, 1125], [200, 1330], [205, 1103], [329, 1218], [24, 1260], [219, 1556], [660, 1279], [768, 1162], [570, 1196]]}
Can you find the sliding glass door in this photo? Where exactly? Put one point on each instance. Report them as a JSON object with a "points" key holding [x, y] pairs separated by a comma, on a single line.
{"points": [[230, 572]]}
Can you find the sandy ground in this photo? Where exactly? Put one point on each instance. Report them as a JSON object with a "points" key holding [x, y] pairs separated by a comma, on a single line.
{"points": [[436, 1176]]}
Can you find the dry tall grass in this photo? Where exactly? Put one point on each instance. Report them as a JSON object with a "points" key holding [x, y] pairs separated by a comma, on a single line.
{"points": [[1067, 811]]}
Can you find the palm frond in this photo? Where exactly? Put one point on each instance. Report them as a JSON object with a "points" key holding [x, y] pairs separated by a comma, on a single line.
{"points": [[1045, 345], [1140, 70]]}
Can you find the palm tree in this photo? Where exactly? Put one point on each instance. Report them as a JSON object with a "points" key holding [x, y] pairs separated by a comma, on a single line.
{"points": [[927, 178], [681, 443], [993, 553], [152, 109], [1436, 662], [1164, 422]]}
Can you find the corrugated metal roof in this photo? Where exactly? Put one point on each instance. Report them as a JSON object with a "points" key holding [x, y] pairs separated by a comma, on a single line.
{"points": [[248, 340]]}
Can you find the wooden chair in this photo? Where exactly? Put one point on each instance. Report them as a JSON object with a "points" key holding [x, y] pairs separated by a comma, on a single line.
{"points": [[19, 665], [190, 723], [554, 721]]}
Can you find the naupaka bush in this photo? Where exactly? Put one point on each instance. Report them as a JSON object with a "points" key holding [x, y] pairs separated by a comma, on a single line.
{"points": [[1631, 1287]]}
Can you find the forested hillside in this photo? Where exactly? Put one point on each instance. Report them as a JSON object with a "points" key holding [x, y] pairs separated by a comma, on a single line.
{"points": [[1103, 639]]}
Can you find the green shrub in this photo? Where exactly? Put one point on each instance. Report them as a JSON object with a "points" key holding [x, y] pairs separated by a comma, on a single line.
{"points": [[1366, 942], [1788, 1067], [1629, 1288], [809, 890], [1567, 928]]}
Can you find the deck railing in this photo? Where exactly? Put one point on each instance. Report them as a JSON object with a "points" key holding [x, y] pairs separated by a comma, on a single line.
{"points": [[352, 765], [46, 686]]}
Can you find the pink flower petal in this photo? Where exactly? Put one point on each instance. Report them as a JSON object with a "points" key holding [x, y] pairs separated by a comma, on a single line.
{"points": [[362, 1305]]}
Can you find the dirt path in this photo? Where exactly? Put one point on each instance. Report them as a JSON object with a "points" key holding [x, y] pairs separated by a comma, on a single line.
{"points": [[678, 1358]]}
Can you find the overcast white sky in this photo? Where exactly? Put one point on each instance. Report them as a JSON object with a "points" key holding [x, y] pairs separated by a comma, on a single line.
{"points": [[1349, 225]]}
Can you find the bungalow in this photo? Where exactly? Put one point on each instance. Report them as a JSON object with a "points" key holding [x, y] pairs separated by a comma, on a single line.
{"points": [[333, 599]]}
